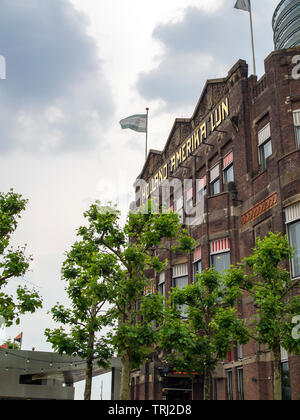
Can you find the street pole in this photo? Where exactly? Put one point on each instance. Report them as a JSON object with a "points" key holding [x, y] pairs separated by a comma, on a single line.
{"points": [[252, 40]]}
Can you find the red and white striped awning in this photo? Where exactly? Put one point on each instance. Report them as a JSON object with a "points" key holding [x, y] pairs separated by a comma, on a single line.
{"points": [[228, 159], [201, 183], [197, 255], [219, 246], [189, 194]]}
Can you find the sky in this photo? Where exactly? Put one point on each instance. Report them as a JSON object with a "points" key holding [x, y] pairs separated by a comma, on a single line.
{"points": [[74, 69]]}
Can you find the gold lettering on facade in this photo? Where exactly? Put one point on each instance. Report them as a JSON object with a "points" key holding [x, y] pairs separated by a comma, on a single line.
{"points": [[200, 134]]}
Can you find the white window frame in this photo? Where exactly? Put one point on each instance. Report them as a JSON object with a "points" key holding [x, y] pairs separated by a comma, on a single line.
{"points": [[292, 215], [227, 167], [296, 116], [264, 137], [219, 247], [179, 271], [201, 187], [214, 178], [189, 200], [197, 261], [162, 284]]}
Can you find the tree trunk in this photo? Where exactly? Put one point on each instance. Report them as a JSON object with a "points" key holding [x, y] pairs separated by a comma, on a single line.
{"points": [[89, 367], [207, 385], [125, 378], [277, 383], [88, 379]]}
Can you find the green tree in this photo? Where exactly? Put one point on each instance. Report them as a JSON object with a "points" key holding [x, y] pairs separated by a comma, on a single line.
{"points": [[84, 270], [133, 248], [201, 337], [276, 303], [13, 263]]}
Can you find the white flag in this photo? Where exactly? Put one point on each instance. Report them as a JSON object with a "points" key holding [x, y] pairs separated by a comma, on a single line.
{"points": [[243, 5], [136, 123]]}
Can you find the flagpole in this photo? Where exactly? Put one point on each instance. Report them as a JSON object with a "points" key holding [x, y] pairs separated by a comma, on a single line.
{"points": [[146, 148], [252, 39]]}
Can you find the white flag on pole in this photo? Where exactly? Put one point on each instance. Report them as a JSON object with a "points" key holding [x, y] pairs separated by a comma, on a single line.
{"points": [[135, 122], [243, 5]]}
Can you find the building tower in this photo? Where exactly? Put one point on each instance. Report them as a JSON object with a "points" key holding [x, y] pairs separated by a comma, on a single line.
{"points": [[286, 24]]}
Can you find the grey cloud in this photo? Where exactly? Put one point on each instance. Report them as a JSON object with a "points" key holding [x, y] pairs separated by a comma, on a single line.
{"points": [[55, 96], [204, 46]]}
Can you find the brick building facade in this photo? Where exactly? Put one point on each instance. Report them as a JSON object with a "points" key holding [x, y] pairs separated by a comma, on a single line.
{"points": [[250, 180]]}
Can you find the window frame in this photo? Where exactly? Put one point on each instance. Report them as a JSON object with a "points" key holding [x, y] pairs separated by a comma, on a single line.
{"points": [[182, 308], [218, 255], [195, 271], [229, 392], [297, 127], [240, 384], [262, 154], [201, 192], [262, 145], [215, 179], [225, 172], [212, 186], [292, 260]]}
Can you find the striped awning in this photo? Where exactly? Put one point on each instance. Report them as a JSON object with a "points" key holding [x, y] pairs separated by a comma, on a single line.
{"points": [[228, 159], [297, 118], [201, 183], [264, 134], [197, 255], [219, 246], [292, 213], [214, 173], [180, 270]]}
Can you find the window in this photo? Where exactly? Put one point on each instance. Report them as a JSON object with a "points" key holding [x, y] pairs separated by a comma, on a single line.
{"points": [[178, 203], [215, 187], [239, 351], [240, 383], [215, 180], [197, 268], [221, 262], [189, 199], [220, 254], [286, 382], [201, 188], [180, 280], [294, 239], [197, 264], [297, 127], [228, 174], [229, 385], [264, 146], [162, 289], [162, 285]]}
